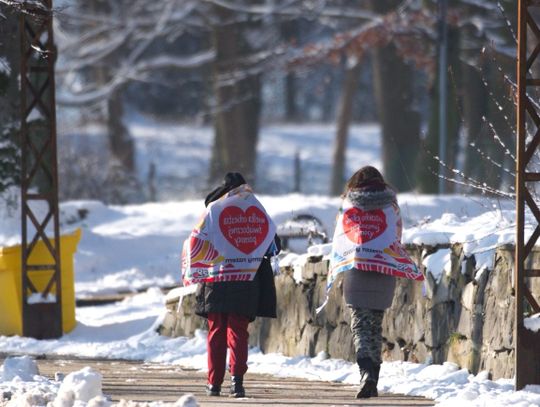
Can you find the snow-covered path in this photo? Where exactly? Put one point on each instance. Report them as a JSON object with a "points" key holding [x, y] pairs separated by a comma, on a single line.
{"points": [[144, 382]]}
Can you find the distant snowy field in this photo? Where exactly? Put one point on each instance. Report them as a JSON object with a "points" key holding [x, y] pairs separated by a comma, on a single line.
{"points": [[183, 154], [137, 247]]}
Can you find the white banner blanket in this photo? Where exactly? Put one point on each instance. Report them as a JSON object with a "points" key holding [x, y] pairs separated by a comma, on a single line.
{"points": [[230, 240], [370, 241]]}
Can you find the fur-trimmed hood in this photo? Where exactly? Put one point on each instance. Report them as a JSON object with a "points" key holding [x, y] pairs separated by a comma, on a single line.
{"points": [[368, 200]]}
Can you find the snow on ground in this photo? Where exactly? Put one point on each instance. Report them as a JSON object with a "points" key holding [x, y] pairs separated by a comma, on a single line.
{"points": [[127, 330], [126, 248], [138, 247], [134, 247]]}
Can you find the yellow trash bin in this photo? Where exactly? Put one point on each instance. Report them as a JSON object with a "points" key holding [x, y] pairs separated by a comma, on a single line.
{"points": [[11, 282]]}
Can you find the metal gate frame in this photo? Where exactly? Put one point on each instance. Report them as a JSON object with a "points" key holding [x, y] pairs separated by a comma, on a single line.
{"points": [[41, 303], [38, 55], [527, 342]]}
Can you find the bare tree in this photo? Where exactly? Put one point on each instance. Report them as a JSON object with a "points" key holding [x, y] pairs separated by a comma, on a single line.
{"points": [[348, 92], [113, 44], [237, 93], [109, 47]]}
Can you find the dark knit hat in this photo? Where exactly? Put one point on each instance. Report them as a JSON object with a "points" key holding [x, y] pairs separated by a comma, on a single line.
{"points": [[230, 181], [234, 179]]}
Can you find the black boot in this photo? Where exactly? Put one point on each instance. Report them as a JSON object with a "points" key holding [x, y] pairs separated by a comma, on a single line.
{"points": [[369, 374], [368, 390], [213, 390], [237, 387], [377, 370]]}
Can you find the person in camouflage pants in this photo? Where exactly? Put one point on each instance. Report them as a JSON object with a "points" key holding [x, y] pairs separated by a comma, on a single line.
{"points": [[366, 327], [368, 293]]}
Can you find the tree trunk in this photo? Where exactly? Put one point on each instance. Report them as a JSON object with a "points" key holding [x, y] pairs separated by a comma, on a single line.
{"points": [[400, 122], [120, 141], [350, 84], [121, 144], [291, 112], [393, 83], [428, 181], [475, 101], [289, 33], [238, 104]]}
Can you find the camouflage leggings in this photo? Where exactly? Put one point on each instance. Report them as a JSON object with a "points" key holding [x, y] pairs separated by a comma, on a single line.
{"points": [[366, 327]]}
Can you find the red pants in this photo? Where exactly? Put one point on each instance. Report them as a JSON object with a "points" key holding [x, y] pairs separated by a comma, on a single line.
{"points": [[226, 330]]}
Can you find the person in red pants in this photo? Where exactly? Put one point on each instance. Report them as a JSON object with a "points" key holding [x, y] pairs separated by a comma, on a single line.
{"points": [[230, 304], [227, 330]]}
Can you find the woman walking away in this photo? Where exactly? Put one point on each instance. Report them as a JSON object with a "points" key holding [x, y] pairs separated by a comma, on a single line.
{"points": [[367, 247], [228, 256]]}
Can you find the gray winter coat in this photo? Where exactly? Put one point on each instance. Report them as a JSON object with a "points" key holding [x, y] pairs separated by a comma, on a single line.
{"points": [[369, 289]]}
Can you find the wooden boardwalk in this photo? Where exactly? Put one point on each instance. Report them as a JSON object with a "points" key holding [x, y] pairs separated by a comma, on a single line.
{"points": [[143, 382]]}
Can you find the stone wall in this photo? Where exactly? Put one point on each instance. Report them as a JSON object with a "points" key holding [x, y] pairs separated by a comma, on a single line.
{"points": [[467, 317]]}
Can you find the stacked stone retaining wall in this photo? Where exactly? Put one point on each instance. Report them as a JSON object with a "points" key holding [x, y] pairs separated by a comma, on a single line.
{"points": [[465, 316]]}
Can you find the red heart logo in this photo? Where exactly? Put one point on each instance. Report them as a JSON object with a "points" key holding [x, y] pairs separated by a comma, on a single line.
{"points": [[245, 230], [363, 226]]}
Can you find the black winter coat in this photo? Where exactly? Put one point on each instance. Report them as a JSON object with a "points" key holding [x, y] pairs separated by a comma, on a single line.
{"points": [[255, 298]]}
